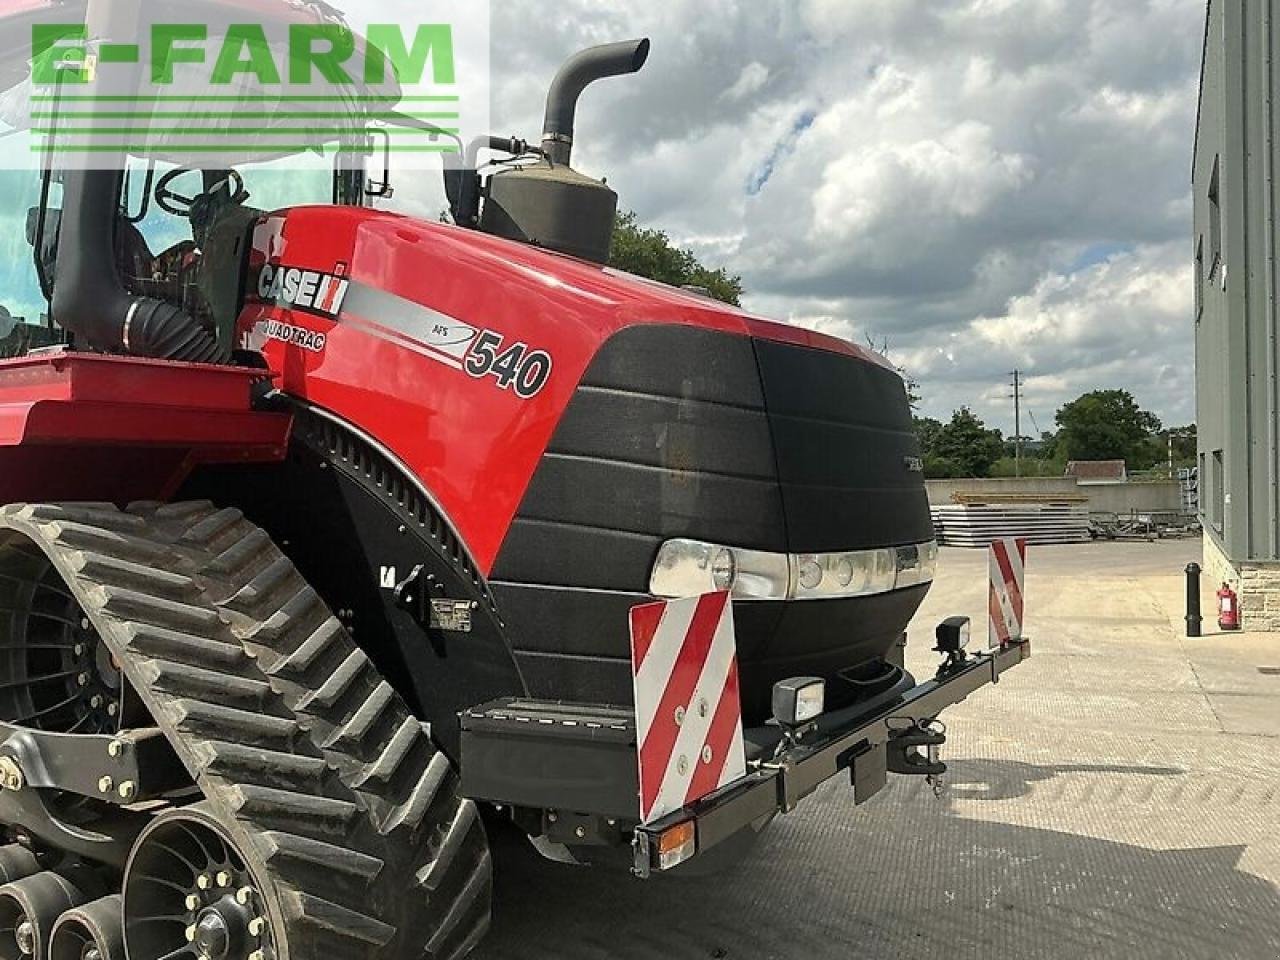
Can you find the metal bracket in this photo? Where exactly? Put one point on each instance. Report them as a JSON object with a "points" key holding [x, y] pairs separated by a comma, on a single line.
{"points": [[132, 766], [642, 846]]}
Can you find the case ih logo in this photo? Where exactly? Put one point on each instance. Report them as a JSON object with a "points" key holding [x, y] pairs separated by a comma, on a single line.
{"points": [[321, 293]]}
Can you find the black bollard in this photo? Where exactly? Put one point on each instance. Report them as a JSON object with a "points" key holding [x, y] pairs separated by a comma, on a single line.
{"points": [[1194, 620]]}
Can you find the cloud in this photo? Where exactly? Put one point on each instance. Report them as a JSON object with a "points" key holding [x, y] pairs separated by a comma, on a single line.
{"points": [[752, 79], [982, 183]]}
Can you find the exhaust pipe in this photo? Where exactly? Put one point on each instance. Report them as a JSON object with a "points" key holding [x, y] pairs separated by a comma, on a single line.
{"points": [[89, 298], [582, 70]]}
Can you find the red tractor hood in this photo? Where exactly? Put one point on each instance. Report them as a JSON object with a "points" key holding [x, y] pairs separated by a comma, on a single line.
{"points": [[457, 351]]}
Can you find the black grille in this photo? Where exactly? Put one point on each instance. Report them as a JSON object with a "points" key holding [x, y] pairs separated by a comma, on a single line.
{"points": [[685, 432]]}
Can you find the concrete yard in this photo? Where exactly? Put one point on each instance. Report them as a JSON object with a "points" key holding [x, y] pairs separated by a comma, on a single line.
{"points": [[1116, 796]]}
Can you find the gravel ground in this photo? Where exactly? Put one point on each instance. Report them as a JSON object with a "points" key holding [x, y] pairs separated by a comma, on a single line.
{"points": [[1116, 796]]}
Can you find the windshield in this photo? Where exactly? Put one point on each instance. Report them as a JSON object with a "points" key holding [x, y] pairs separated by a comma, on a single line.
{"points": [[292, 182], [20, 295]]}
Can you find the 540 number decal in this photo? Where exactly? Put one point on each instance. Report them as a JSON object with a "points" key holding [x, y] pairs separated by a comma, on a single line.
{"points": [[515, 367]]}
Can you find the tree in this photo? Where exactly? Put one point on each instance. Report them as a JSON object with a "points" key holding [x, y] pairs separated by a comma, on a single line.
{"points": [[964, 447], [650, 253], [1106, 425], [927, 430]]}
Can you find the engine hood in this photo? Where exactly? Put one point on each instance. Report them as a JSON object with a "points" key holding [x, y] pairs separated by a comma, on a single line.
{"points": [[461, 352]]}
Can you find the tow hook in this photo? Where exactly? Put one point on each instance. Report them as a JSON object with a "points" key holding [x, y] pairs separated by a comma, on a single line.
{"points": [[905, 754]]}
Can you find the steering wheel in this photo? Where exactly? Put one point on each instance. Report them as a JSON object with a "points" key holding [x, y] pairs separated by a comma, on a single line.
{"points": [[179, 205]]}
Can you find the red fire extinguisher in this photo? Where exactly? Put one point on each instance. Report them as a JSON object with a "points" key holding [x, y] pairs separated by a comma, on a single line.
{"points": [[1228, 608]]}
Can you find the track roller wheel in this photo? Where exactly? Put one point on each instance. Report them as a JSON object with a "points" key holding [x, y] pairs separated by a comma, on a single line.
{"points": [[92, 932], [29, 908], [17, 863], [189, 891]]}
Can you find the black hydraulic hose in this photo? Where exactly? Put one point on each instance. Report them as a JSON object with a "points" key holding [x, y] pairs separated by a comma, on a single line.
{"points": [[582, 70], [89, 298]]}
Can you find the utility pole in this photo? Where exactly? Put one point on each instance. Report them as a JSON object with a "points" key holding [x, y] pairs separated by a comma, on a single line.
{"points": [[1017, 422]]}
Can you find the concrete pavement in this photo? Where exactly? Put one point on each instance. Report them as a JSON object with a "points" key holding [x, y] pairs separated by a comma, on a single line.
{"points": [[1116, 796]]}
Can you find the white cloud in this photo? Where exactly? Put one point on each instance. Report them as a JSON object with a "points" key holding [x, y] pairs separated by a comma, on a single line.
{"points": [[982, 183], [752, 80]]}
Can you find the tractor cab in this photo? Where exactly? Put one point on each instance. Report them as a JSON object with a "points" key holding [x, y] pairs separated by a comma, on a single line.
{"points": [[166, 225]]}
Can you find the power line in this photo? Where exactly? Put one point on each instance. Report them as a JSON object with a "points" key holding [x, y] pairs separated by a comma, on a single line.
{"points": [[1017, 422]]}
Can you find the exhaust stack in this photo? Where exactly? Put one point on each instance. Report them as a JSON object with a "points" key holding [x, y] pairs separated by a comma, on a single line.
{"points": [[549, 204], [578, 73]]}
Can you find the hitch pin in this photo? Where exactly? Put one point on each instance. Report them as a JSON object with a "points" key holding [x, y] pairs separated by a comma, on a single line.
{"points": [[934, 780]]}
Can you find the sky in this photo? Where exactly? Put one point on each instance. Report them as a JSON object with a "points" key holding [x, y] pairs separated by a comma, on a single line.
{"points": [[982, 185], [974, 185]]}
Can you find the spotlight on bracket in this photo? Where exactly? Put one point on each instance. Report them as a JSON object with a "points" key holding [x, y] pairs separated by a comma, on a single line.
{"points": [[953, 636], [799, 701]]}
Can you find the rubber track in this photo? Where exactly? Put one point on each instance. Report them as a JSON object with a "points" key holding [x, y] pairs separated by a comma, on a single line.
{"points": [[328, 782]]}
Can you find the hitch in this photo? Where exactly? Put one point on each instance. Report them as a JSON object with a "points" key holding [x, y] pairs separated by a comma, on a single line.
{"points": [[905, 756]]}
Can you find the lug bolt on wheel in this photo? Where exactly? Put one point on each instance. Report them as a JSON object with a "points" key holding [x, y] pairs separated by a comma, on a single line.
{"points": [[25, 934], [83, 680], [127, 790], [223, 878], [257, 926], [258, 955], [204, 881], [191, 933], [95, 701], [105, 785], [244, 896], [115, 748], [112, 709], [193, 902]]}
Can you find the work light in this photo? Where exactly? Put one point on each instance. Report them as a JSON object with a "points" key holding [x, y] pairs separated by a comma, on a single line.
{"points": [[799, 700]]}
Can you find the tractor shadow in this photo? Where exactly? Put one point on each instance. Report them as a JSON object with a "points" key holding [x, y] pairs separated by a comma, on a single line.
{"points": [[903, 877]]}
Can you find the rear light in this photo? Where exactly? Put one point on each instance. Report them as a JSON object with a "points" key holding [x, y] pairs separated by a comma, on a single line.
{"points": [[690, 568], [677, 844]]}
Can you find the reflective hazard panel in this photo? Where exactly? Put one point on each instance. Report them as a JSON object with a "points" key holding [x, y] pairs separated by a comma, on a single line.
{"points": [[1007, 575], [688, 708]]}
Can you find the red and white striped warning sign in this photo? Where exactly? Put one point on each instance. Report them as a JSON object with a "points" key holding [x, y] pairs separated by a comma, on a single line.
{"points": [[1005, 602], [688, 710]]}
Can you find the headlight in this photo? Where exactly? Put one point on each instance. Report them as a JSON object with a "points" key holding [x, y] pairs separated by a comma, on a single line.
{"points": [[916, 564], [856, 574], [689, 568]]}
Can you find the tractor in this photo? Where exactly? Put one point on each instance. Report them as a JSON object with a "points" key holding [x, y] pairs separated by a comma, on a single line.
{"points": [[328, 531]]}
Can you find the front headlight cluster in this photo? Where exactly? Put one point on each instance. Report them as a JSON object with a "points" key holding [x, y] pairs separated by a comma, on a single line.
{"points": [[689, 568]]}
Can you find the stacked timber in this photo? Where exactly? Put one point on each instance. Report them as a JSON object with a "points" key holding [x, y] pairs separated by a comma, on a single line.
{"points": [[975, 520]]}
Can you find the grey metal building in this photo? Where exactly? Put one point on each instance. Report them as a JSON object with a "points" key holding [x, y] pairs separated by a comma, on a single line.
{"points": [[1237, 196]]}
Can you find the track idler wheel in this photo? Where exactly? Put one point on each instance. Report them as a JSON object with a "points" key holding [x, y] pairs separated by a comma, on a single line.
{"points": [[189, 889], [92, 932], [17, 863], [29, 908]]}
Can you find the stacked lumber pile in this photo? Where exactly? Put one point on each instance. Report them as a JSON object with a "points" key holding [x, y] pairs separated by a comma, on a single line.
{"points": [[974, 520]]}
